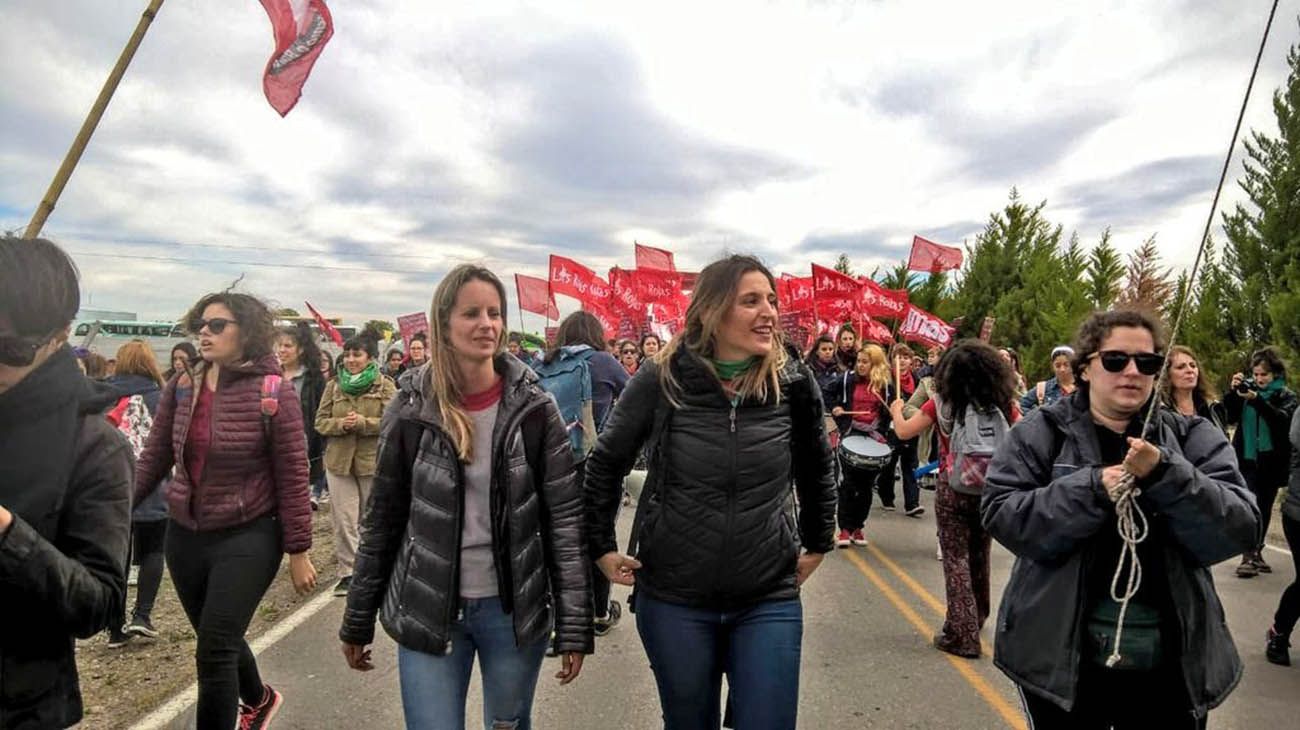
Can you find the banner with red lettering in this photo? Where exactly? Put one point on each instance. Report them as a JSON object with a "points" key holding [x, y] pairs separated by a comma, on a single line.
{"points": [[649, 257], [877, 301], [535, 296], [572, 279], [798, 293], [921, 326], [930, 256]]}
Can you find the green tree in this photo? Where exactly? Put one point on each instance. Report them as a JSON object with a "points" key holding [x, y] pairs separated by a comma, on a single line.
{"points": [[381, 329], [1264, 238], [1105, 272], [843, 266]]}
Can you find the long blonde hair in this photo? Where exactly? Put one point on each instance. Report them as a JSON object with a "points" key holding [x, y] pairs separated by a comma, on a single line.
{"points": [[444, 370], [879, 373], [714, 295]]}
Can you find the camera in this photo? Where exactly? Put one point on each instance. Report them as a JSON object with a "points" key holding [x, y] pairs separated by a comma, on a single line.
{"points": [[1245, 387]]}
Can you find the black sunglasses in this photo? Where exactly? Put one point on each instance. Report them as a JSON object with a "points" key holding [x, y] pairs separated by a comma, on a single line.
{"points": [[1114, 361], [216, 325], [19, 352], [629, 352]]}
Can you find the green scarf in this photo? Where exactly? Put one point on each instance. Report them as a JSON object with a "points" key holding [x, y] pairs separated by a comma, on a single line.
{"points": [[361, 382], [732, 369], [1256, 436]]}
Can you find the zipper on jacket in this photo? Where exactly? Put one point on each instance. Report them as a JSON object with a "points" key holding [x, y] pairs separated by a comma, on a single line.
{"points": [[453, 595], [731, 496], [505, 574]]}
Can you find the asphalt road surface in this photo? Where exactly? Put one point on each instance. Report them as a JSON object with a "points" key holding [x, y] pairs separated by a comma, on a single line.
{"points": [[867, 659]]}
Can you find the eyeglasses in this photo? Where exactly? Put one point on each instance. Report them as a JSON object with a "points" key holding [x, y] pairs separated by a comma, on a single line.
{"points": [[629, 352], [216, 325], [1114, 361], [19, 352]]}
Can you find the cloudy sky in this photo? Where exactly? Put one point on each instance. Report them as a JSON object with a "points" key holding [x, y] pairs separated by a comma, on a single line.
{"points": [[432, 134]]}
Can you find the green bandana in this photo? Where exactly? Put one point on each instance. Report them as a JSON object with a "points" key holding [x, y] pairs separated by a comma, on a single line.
{"points": [[1256, 436], [361, 382], [732, 369]]}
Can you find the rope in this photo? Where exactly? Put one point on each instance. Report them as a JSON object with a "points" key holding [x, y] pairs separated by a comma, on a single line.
{"points": [[1131, 522]]}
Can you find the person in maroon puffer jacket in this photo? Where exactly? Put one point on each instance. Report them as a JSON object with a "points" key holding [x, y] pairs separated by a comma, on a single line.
{"points": [[238, 500]]}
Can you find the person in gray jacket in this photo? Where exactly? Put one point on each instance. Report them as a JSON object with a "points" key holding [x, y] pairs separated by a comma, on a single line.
{"points": [[1288, 608], [1050, 499]]}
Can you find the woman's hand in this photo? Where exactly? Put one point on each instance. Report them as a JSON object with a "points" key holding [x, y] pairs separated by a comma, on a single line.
{"points": [[896, 408], [358, 657], [618, 568], [303, 573], [350, 421], [1142, 458], [570, 667], [1237, 379], [837, 411], [1111, 481], [808, 563]]}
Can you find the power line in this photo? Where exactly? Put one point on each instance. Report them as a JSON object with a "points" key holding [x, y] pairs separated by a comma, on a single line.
{"points": [[175, 259], [266, 249]]}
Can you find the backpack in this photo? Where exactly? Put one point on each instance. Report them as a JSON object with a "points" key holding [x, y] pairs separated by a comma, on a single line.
{"points": [[131, 417], [568, 379], [975, 435]]}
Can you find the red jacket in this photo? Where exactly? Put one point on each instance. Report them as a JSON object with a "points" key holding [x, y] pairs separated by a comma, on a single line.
{"points": [[245, 477]]}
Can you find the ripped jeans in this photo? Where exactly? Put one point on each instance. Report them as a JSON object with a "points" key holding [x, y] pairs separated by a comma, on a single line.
{"points": [[434, 688]]}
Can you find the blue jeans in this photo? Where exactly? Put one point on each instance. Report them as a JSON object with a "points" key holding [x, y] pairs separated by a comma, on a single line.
{"points": [[434, 687], [758, 648]]}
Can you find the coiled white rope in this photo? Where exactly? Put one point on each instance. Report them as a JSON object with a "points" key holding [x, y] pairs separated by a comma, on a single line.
{"points": [[1131, 522]]}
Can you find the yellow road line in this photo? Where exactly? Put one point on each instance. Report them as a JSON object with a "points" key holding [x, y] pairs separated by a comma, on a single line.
{"points": [[1013, 716], [939, 607]]}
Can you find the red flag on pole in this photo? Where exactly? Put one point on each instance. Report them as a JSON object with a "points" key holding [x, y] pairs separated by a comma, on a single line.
{"points": [[609, 322], [301, 29], [657, 286], [535, 296], [624, 299], [570, 278], [877, 301], [325, 325], [921, 326], [799, 292], [930, 256], [648, 257]]}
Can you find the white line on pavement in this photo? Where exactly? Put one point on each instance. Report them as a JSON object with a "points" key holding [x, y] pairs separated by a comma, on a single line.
{"points": [[172, 709], [1284, 551]]}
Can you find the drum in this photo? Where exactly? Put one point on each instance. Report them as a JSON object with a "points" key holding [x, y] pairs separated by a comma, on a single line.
{"points": [[862, 452]]}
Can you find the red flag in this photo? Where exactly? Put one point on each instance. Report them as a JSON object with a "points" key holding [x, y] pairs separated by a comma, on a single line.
{"points": [[535, 296], [624, 299], [877, 301], [657, 286], [572, 279], [921, 326], [830, 286], [301, 29], [869, 330], [648, 257], [930, 256], [325, 326], [609, 321], [800, 294]]}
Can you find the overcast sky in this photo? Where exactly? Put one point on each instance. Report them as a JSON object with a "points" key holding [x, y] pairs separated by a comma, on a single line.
{"points": [[431, 134]]}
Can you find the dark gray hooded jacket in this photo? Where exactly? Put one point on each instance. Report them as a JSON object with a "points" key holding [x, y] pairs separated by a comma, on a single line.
{"points": [[1045, 502]]}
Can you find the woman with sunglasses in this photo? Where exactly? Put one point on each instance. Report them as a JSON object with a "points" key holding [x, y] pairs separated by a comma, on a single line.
{"points": [[1060, 385], [238, 501], [629, 356], [1050, 498], [473, 538], [727, 416], [65, 486]]}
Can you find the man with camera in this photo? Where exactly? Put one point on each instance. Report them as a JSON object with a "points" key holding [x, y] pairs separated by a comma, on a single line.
{"points": [[1261, 406]]}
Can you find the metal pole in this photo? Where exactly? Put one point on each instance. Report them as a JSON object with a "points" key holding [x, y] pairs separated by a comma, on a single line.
{"points": [[92, 120]]}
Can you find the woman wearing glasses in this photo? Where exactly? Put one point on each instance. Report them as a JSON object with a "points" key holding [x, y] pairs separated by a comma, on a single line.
{"points": [[1050, 498], [238, 501], [629, 357]]}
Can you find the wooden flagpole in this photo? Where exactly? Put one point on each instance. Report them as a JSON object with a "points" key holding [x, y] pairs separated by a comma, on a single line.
{"points": [[92, 120]]}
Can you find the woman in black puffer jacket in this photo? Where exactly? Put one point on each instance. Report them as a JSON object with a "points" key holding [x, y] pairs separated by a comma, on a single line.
{"points": [[474, 463], [727, 416]]}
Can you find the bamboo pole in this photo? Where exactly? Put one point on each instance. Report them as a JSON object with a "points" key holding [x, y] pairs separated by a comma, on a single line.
{"points": [[92, 120]]}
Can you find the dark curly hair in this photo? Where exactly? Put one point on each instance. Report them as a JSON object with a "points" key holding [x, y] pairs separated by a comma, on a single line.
{"points": [[1097, 327], [305, 339], [811, 356], [363, 342], [1269, 358], [256, 323], [972, 373]]}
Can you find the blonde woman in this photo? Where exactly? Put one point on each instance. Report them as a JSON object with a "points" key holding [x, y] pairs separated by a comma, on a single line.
{"points": [[473, 539], [726, 415], [860, 404], [348, 417], [1188, 391]]}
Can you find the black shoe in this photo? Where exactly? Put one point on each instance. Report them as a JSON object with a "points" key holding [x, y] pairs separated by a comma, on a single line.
{"points": [[341, 588], [117, 638], [1276, 650], [259, 717], [1247, 568], [604, 624], [1258, 561], [141, 627]]}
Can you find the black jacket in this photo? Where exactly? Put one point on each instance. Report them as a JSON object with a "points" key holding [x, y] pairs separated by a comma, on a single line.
{"points": [[840, 394], [716, 529], [1044, 501], [65, 474], [154, 507], [413, 524], [1291, 507], [1276, 413], [313, 387], [826, 375]]}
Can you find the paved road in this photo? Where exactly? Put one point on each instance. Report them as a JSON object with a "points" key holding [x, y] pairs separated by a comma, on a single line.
{"points": [[867, 660]]}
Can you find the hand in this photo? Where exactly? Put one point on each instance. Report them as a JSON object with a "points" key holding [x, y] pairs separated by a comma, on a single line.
{"points": [[896, 408], [570, 667], [1249, 395], [618, 568], [303, 573], [808, 562], [358, 657], [350, 421], [1142, 458], [837, 411], [6, 519], [1111, 480], [1237, 379]]}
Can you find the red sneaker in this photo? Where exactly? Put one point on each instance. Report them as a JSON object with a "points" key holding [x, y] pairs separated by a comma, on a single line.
{"points": [[259, 717], [844, 540], [858, 538]]}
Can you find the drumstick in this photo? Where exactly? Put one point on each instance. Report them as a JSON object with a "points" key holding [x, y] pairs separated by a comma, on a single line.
{"points": [[898, 379], [855, 413]]}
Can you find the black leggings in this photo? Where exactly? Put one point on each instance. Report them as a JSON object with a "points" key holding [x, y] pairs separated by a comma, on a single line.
{"points": [[147, 551], [1288, 609], [220, 577], [1263, 478], [855, 496], [1111, 700]]}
